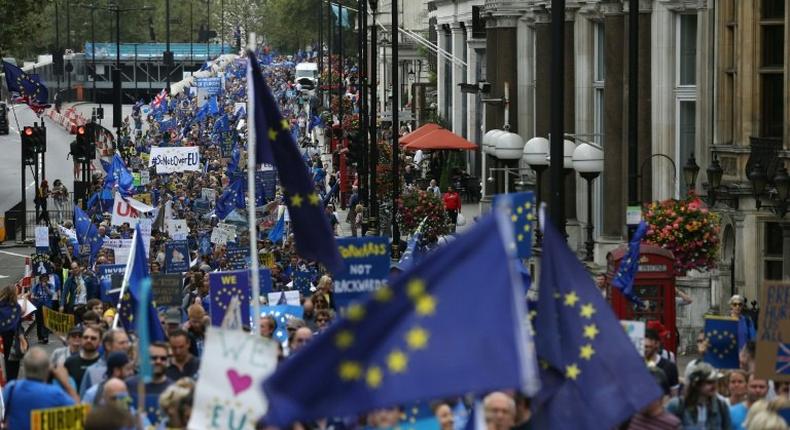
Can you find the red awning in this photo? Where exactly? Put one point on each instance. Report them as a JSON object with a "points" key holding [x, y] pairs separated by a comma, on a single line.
{"points": [[441, 139], [416, 134]]}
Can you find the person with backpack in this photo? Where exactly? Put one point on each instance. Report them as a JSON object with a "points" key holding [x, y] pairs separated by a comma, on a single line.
{"points": [[700, 407]]}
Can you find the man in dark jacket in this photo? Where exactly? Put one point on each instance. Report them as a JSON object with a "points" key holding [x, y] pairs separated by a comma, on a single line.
{"points": [[79, 287]]}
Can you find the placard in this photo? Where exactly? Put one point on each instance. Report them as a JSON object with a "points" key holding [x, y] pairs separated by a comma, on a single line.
{"points": [[238, 258], [127, 210], [221, 234], [176, 256], [62, 418], [42, 236], [105, 272], [636, 332], [366, 264], [145, 177], [177, 229], [290, 297], [58, 322], [224, 285], [267, 181], [167, 290], [773, 334], [209, 194], [232, 369], [174, 159]]}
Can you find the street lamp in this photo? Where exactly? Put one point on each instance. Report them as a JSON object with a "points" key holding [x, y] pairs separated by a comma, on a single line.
{"points": [[588, 161], [690, 171], [781, 183], [714, 173]]}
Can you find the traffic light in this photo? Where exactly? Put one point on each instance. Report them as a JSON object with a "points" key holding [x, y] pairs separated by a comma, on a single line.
{"points": [[28, 146], [84, 147]]}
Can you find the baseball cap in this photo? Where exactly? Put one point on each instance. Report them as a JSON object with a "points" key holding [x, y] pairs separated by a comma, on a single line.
{"points": [[115, 360], [75, 331], [173, 316]]}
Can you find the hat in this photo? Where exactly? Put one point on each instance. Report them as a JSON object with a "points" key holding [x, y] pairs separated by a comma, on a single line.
{"points": [[109, 313], [116, 360], [737, 299], [173, 316], [703, 372], [75, 331]]}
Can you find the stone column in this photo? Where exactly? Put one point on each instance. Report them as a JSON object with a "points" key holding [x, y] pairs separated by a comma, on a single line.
{"points": [[474, 109], [525, 44], [457, 38], [584, 110], [614, 178], [441, 41], [663, 112]]}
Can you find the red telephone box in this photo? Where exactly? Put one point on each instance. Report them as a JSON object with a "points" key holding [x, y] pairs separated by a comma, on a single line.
{"points": [[654, 284]]}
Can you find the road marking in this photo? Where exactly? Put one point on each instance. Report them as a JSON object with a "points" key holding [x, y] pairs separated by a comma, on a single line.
{"points": [[14, 254], [3, 276]]}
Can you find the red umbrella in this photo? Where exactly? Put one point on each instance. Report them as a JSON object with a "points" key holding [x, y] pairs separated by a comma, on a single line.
{"points": [[416, 134], [441, 139]]}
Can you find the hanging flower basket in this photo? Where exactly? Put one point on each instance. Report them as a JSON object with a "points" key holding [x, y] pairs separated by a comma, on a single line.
{"points": [[418, 205]]}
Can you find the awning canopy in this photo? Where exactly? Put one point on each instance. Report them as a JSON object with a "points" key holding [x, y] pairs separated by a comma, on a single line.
{"points": [[416, 134], [441, 139]]}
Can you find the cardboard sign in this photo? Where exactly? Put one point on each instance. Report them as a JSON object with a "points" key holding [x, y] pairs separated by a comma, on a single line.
{"points": [[42, 237], [238, 258], [174, 159], [166, 290], [288, 297], [176, 256], [40, 265], [266, 259], [222, 234], [267, 182], [209, 194], [57, 321], [145, 178], [63, 418], [143, 198], [366, 265], [232, 369], [636, 332], [773, 335], [177, 229]]}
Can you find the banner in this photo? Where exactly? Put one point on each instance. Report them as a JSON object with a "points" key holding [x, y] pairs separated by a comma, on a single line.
{"points": [[366, 266], [636, 332], [773, 334], [303, 282], [722, 335], [207, 87], [57, 322], [40, 265], [238, 258], [176, 256], [290, 298], [167, 290], [104, 272], [177, 229], [175, 159], [232, 369], [127, 210], [224, 285], [62, 418]]}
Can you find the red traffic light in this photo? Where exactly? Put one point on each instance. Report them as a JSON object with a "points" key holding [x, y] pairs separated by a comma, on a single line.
{"points": [[28, 131], [80, 130]]}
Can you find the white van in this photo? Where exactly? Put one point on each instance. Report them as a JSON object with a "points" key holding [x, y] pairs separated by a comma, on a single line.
{"points": [[307, 75]]}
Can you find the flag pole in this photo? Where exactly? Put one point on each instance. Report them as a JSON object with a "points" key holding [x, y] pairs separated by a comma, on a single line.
{"points": [[125, 283], [251, 165]]}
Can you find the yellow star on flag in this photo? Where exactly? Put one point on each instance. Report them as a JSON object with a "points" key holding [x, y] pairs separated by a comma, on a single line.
{"points": [[314, 199], [415, 289], [417, 338], [296, 200], [355, 312], [344, 339], [383, 294], [586, 351], [285, 124], [571, 299], [519, 210], [374, 377], [587, 310], [396, 361], [350, 371], [513, 218], [426, 305], [590, 331], [520, 237], [572, 371], [272, 134]]}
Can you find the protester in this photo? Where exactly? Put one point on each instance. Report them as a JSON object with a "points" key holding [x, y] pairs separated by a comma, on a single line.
{"points": [[452, 204], [114, 340], [655, 416], [654, 359], [77, 364], [73, 344], [183, 363], [746, 331], [500, 411], [41, 296], [159, 355], [737, 387], [176, 404], [14, 341], [700, 407], [756, 390], [118, 366]]}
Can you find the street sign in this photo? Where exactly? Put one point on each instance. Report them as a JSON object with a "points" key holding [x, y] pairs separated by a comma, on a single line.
{"points": [[404, 115]]}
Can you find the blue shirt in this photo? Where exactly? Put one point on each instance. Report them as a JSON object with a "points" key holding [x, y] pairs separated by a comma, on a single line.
{"points": [[24, 395], [738, 415]]}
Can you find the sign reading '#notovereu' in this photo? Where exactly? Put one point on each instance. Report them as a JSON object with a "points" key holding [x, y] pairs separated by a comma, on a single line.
{"points": [[175, 159]]}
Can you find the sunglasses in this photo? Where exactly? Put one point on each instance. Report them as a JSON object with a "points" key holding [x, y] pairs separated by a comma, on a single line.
{"points": [[90, 337], [159, 358], [739, 305], [321, 320]]}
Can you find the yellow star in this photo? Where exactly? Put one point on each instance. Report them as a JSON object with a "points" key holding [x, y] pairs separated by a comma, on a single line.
{"points": [[296, 200], [426, 305], [532, 315], [572, 371], [519, 210], [374, 377], [587, 310], [590, 331], [526, 228], [520, 237], [571, 299], [272, 134], [344, 339], [417, 338], [396, 361], [415, 289], [527, 205], [513, 218], [383, 294], [285, 124], [355, 312], [586, 352], [314, 199], [350, 371]]}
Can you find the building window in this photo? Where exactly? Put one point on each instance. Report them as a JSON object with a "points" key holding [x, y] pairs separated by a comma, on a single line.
{"points": [[773, 9], [772, 68], [687, 50], [772, 253], [687, 134]]}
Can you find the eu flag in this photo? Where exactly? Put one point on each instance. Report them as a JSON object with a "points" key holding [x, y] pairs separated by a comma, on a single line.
{"points": [[277, 232], [136, 274], [520, 209], [27, 87], [722, 336], [629, 265], [402, 345], [592, 377], [87, 233], [281, 314], [232, 198], [274, 145], [118, 174], [413, 253]]}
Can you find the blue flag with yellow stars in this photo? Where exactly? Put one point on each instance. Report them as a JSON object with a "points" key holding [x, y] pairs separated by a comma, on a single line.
{"points": [[281, 315], [274, 145], [592, 377], [232, 198], [721, 334], [520, 210], [136, 274], [402, 344], [629, 265], [27, 87], [87, 233]]}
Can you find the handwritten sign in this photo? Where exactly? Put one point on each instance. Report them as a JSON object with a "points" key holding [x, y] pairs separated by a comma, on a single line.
{"points": [[366, 263], [166, 289], [175, 159], [177, 229], [773, 335], [57, 321], [232, 369], [42, 237], [221, 234], [63, 418]]}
